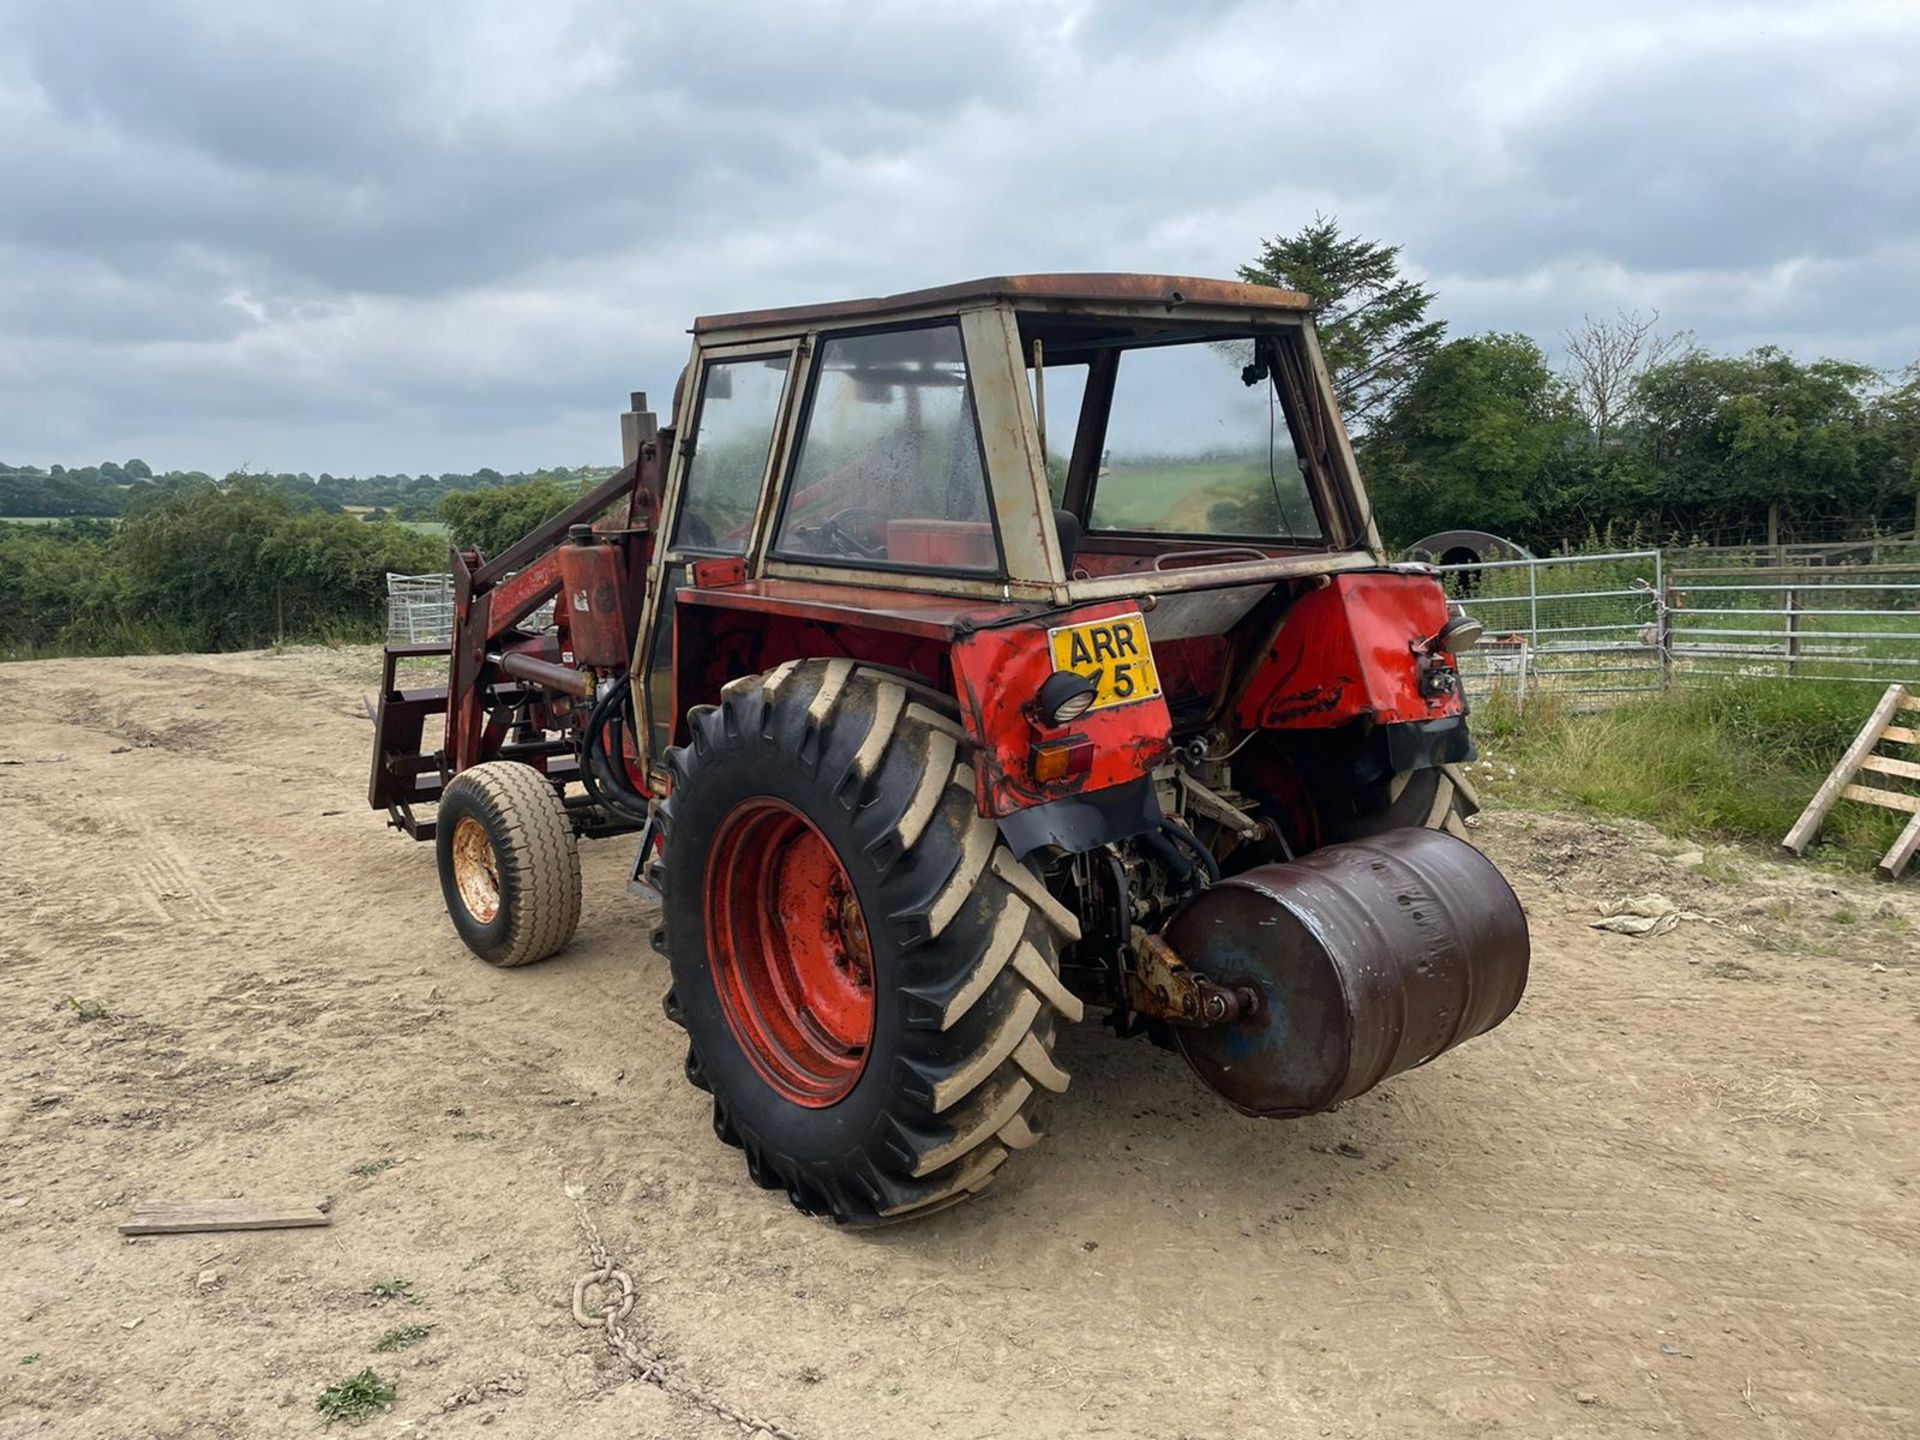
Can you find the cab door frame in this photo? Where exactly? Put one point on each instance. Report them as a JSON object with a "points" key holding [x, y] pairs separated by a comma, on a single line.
{"points": [[671, 560]]}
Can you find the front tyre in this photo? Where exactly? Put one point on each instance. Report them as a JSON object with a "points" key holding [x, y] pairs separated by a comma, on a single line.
{"points": [[509, 863], [868, 979]]}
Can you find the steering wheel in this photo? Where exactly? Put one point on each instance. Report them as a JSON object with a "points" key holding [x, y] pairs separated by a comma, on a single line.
{"points": [[834, 530]]}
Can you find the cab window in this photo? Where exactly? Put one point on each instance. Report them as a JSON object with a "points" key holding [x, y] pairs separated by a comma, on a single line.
{"points": [[887, 472], [1199, 443], [733, 434]]}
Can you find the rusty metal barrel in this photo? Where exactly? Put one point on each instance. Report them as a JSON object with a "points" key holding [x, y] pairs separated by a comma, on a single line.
{"points": [[1369, 957]]}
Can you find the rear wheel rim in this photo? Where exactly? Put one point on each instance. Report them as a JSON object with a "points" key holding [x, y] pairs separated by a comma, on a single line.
{"points": [[788, 947], [476, 873]]}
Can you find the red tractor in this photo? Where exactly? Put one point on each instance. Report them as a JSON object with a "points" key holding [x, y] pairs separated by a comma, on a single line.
{"points": [[964, 659]]}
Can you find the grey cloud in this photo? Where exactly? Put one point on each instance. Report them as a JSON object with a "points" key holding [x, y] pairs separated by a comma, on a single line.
{"points": [[1724, 156], [434, 236]]}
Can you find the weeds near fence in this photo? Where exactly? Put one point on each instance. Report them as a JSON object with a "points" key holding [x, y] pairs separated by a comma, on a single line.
{"points": [[1732, 760]]}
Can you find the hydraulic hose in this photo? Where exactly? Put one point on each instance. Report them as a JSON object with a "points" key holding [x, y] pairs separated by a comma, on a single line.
{"points": [[1191, 842], [1168, 854], [604, 770]]}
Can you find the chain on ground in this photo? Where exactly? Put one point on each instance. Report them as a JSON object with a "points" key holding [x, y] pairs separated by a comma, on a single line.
{"points": [[644, 1359]]}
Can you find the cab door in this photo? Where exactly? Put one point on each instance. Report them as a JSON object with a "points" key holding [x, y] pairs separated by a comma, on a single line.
{"points": [[715, 503]]}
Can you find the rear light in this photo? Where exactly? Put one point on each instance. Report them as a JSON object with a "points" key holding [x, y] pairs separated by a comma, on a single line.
{"points": [[1065, 697], [1062, 759], [1462, 632]]}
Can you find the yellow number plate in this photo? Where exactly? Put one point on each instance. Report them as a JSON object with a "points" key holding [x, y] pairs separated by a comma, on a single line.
{"points": [[1113, 654]]}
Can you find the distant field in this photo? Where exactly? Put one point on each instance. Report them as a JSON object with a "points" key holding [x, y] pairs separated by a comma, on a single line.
{"points": [[1201, 497]]}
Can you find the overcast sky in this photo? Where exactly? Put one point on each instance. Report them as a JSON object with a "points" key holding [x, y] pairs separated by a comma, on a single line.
{"points": [[377, 235]]}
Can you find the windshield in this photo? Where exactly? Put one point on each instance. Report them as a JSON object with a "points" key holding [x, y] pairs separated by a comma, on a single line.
{"points": [[1198, 444]]}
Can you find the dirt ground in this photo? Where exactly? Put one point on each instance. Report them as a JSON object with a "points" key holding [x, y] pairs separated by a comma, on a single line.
{"points": [[1677, 1194]]}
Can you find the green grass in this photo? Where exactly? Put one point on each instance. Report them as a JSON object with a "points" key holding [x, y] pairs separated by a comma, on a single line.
{"points": [[366, 1169], [402, 1337], [355, 1400], [127, 637], [1223, 498], [395, 1289], [1736, 760], [87, 1009]]}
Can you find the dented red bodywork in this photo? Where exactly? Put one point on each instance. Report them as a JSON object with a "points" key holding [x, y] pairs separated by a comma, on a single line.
{"points": [[995, 668], [997, 673], [1345, 652]]}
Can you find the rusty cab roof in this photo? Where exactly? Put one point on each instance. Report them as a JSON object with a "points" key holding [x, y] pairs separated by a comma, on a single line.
{"points": [[1053, 292]]}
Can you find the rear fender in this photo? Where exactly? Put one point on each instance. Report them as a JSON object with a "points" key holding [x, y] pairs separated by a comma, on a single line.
{"points": [[1351, 649], [997, 674]]}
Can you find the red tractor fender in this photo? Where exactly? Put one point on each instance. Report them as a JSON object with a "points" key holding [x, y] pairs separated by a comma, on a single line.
{"points": [[1354, 649], [997, 675]]}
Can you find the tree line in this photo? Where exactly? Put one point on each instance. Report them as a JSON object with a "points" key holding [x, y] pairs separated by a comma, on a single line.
{"points": [[112, 488], [1635, 435], [237, 565]]}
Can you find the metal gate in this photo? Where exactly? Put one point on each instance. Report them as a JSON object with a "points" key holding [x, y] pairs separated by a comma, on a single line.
{"points": [[1800, 622], [1586, 626]]}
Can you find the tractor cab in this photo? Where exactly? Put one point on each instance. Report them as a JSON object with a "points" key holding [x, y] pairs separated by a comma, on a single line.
{"points": [[948, 460]]}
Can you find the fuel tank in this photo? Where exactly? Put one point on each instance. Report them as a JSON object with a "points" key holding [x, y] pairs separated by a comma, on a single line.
{"points": [[1369, 958]]}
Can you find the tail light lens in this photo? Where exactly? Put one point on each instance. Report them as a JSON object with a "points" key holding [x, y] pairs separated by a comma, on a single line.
{"points": [[1062, 759]]}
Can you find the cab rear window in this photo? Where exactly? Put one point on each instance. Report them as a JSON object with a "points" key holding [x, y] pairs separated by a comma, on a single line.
{"points": [[888, 470]]}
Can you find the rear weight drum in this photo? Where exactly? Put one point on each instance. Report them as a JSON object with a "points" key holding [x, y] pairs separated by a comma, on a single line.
{"points": [[1369, 958]]}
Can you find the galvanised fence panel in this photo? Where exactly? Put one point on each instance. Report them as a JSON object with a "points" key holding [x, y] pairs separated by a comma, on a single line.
{"points": [[1587, 627], [420, 610], [1803, 622]]}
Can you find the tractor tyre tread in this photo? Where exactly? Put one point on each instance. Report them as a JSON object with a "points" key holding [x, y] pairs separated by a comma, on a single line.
{"points": [[965, 939]]}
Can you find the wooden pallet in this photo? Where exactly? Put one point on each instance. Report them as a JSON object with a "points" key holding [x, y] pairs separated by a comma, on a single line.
{"points": [[1863, 755]]}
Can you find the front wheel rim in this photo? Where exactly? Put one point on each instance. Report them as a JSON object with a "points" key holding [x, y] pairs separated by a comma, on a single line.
{"points": [[476, 873], [789, 951]]}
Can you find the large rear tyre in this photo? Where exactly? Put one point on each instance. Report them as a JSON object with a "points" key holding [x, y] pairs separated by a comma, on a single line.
{"points": [[1439, 798], [509, 863], [1313, 807], [868, 978]]}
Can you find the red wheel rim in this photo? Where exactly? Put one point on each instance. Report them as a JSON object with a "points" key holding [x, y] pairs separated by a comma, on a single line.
{"points": [[789, 952]]}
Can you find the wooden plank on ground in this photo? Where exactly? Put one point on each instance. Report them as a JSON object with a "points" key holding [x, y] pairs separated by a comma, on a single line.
{"points": [[1886, 799], [1808, 825], [1903, 849], [1901, 735], [180, 1217]]}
